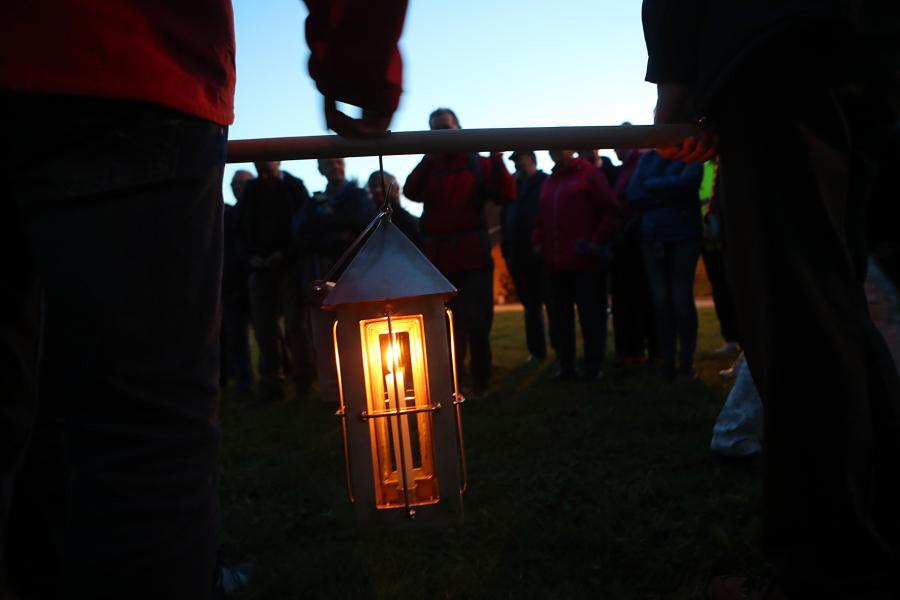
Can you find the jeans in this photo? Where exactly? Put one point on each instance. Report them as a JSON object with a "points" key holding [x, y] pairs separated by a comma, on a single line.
{"points": [[670, 268], [109, 349], [587, 291]]}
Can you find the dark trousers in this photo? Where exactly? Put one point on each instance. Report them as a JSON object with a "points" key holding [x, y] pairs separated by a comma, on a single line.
{"points": [[236, 330], [634, 322], [671, 267], [587, 291], [275, 294], [830, 389], [473, 315], [723, 298], [527, 275], [111, 247]]}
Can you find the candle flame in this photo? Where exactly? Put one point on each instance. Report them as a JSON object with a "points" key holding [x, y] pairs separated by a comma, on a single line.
{"points": [[392, 356]]}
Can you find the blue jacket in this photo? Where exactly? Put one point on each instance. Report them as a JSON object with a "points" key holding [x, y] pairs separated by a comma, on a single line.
{"points": [[665, 193]]}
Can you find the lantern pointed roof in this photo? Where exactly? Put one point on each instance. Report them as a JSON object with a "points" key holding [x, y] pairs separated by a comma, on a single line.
{"points": [[388, 266]]}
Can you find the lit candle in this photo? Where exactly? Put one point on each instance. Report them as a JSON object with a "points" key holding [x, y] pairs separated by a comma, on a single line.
{"points": [[400, 429]]}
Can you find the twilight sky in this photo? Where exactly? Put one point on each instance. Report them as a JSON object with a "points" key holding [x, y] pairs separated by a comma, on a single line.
{"points": [[497, 63]]}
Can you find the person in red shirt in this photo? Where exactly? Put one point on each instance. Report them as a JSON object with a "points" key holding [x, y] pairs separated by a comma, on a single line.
{"points": [[577, 216], [454, 189], [111, 255]]}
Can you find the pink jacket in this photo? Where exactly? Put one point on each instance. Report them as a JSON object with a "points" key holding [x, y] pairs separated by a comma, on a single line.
{"points": [[577, 216]]}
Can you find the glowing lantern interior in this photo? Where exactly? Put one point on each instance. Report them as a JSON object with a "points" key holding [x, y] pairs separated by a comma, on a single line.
{"points": [[397, 377]]}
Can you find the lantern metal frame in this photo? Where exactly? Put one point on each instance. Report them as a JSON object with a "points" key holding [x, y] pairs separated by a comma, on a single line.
{"points": [[435, 406]]}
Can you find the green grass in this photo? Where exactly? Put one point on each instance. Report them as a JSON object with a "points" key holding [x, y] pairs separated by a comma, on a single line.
{"points": [[600, 490]]}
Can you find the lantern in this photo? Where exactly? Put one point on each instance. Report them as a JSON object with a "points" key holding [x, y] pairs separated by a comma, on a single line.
{"points": [[396, 372]]}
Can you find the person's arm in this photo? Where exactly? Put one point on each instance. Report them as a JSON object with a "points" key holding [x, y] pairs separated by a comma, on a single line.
{"points": [[672, 32], [354, 59], [683, 184], [501, 185], [637, 194], [416, 183]]}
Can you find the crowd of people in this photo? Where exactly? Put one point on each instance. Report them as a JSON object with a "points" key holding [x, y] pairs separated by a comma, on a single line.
{"points": [[570, 239], [109, 345]]}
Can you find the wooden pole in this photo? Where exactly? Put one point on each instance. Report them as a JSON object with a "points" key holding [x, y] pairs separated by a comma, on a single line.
{"points": [[460, 140]]}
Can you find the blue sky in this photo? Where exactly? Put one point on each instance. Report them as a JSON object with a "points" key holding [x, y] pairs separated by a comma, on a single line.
{"points": [[497, 63]]}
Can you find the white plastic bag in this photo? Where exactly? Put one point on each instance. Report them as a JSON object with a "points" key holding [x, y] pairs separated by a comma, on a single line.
{"points": [[739, 428]]}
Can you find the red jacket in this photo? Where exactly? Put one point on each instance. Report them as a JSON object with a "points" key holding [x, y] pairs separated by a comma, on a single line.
{"points": [[180, 53], [577, 216], [454, 231]]}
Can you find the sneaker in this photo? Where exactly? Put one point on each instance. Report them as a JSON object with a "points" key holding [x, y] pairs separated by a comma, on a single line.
{"points": [[727, 348], [744, 588]]}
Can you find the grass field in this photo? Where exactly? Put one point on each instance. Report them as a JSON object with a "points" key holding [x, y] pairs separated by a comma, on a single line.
{"points": [[577, 490]]}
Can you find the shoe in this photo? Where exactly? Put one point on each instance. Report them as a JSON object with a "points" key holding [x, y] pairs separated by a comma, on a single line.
{"points": [[743, 588], [534, 359], [727, 348], [561, 376]]}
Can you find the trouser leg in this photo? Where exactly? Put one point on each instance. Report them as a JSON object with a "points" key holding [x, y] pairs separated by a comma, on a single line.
{"points": [[683, 260], [528, 282], [237, 331], [264, 303], [832, 405], [476, 305], [123, 214], [297, 332], [19, 345], [590, 297], [626, 283], [562, 297], [656, 261], [723, 300]]}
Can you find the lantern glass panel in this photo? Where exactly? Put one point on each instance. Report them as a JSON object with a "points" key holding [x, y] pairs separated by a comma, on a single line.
{"points": [[396, 374]]}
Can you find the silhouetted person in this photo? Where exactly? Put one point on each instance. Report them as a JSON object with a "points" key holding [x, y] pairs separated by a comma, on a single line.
{"points": [[714, 262], [634, 321], [327, 225], [665, 193], [271, 250], [815, 82], [402, 218], [524, 266], [454, 189], [576, 220], [112, 258], [235, 296]]}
